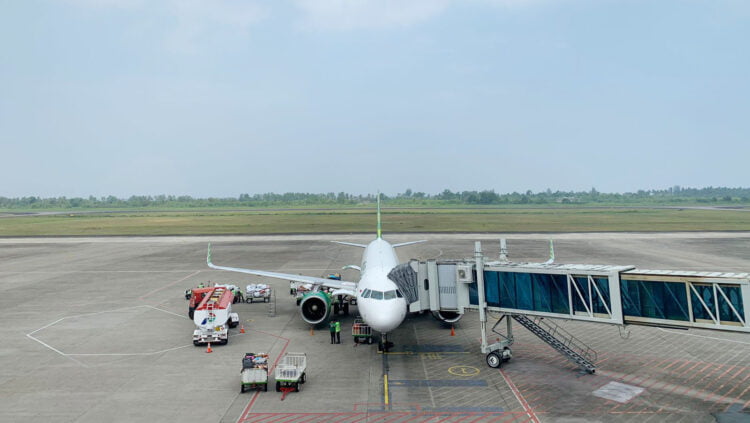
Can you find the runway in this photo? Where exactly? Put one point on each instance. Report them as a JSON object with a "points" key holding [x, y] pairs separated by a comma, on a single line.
{"points": [[96, 329]]}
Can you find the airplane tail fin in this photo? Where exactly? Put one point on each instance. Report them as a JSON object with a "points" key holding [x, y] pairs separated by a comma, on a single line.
{"points": [[380, 234], [551, 253]]}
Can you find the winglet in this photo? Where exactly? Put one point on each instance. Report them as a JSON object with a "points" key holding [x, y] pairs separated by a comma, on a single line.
{"points": [[551, 253], [379, 227]]}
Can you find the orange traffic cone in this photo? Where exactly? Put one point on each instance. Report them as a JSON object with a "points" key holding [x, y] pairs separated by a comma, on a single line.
{"points": [[453, 330], [208, 350], [242, 329]]}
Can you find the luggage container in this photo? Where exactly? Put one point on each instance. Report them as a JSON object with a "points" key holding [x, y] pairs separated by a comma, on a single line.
{"points": [[361, 332], [260, 292], [254, 374], [290, 372]]}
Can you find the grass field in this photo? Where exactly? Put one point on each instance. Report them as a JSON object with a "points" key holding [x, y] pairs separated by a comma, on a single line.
{"points": [[363, 221]]}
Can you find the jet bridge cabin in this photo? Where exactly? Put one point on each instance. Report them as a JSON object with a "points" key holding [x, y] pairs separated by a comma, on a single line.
{"points": [[595, 293]]}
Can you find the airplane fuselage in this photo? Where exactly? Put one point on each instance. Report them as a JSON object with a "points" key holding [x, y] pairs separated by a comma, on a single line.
{"points": [[380, 306]]}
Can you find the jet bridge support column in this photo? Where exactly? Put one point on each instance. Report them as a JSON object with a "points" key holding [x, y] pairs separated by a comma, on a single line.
{"points": [[479, 259]]}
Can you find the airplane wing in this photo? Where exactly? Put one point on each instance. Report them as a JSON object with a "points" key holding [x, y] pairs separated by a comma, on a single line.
{"points": [[329, 283], [408, 243], [351, 244]]}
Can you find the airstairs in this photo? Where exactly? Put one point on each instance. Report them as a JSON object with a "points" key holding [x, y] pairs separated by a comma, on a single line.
{"points": [[561, 340]]}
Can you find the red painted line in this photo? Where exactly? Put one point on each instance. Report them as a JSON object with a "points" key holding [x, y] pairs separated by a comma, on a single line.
{"points": [[280, 417], [739, 384], [249, 405], [315, 418], [685, 371], [675, 362], [390, 417], [518, 395], [743, 392], [366, 415], [708, 375], [267, 416], [678, 368], [734, 375], [658, 365], [143, 297]]}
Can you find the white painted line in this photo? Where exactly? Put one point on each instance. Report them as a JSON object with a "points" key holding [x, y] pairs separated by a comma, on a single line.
{"points": [[169, 312], [703, 336], [69, 355], [45, 327], [127, 354], [56, 350], [619, 392]]}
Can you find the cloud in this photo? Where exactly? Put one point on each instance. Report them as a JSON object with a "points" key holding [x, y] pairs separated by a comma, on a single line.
{"points": [[104, 4], [352, 14], [201, 19], [186, 23]]}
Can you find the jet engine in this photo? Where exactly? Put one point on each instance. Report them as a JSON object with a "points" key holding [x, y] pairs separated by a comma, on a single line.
{"points": [[447, 317], [315, 307]]}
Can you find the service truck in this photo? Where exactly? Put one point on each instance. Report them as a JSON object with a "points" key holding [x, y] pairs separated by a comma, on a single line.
{"points": [[213, 316]]}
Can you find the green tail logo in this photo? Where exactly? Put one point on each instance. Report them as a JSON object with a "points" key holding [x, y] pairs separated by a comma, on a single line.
{"points": [[379, 229]]}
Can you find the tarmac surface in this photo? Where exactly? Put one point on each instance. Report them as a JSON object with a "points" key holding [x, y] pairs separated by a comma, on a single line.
{"points": [[96, 329]]}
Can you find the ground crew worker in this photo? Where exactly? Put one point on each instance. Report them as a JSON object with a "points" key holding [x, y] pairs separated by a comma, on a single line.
{"points": [[338, 332], [332, 328], [188, 293], [200, 285], [235, 296], [240, 296]]}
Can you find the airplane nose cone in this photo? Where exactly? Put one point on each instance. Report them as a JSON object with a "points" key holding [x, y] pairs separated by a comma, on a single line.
{"points": [[386, 319]]}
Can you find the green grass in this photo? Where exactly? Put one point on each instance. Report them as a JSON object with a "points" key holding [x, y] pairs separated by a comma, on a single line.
{"points": [[363, 221]]}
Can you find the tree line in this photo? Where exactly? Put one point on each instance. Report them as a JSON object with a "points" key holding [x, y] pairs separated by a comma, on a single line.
{"points": [[671, 196]]}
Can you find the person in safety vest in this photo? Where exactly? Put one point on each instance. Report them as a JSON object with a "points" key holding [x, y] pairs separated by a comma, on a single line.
{"points": [[332, 327], [188, 293], [240, 296], [338, 332], [200, 285]]}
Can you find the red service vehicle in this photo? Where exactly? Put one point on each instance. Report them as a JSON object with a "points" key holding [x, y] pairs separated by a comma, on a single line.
{"points": [[213, 315]]}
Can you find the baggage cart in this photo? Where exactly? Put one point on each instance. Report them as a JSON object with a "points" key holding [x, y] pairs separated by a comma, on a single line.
{"points": [[259, 292], [361, 332], [254, 374], [290, 372]]}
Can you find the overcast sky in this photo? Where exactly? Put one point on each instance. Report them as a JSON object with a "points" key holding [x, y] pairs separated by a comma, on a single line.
{"points": [[220, 97]]}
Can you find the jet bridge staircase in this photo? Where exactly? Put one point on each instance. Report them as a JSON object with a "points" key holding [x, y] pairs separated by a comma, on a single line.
{"points": [[561, 340]]}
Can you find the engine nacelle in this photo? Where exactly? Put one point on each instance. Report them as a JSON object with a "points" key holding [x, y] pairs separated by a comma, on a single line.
{"points": [[315, 307], [448, 317]]}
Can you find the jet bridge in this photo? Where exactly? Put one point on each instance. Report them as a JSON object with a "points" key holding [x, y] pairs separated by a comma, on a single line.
{"points": [[531, 292]]}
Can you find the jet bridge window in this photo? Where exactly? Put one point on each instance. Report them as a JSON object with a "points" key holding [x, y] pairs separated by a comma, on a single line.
{"points": [[390, 295], [376, 295]]}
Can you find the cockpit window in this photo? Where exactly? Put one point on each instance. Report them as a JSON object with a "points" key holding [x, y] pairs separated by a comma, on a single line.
{"points": [[398, 294], [366, 294], [376, 295], [390, 295]]}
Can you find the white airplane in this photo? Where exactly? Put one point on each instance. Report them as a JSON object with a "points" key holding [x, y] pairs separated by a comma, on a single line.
{"points": [[381, 304]]}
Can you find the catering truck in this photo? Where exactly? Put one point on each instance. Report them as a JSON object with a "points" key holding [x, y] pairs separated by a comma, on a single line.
{"points": [[213, 316]]}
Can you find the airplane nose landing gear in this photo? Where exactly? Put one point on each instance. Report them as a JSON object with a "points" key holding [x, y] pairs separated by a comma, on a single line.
{"points": [[384, 345]]}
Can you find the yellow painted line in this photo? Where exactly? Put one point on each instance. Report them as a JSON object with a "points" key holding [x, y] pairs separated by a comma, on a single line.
{"points": [[385, 392]]}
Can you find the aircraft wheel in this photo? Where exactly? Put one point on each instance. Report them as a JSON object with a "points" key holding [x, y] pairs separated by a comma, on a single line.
{"points": [[494, 360]]}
